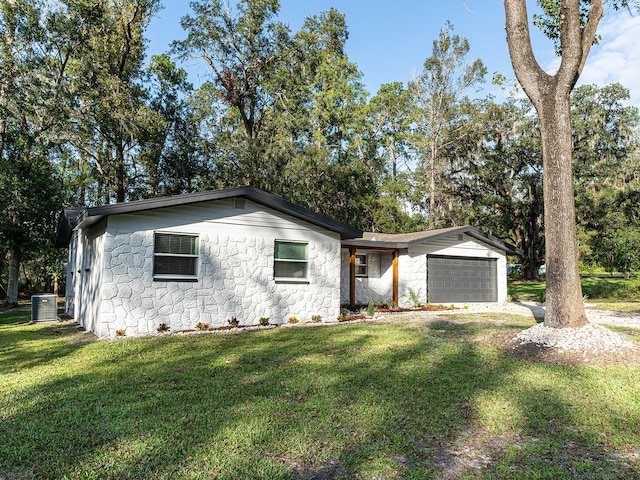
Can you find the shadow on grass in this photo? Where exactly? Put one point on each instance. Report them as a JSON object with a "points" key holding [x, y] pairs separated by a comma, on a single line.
{"points": [[24, 345], [348, 401]]}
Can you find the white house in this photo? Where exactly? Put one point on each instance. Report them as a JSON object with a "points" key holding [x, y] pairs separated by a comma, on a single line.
{"points": [[450, 265], [202, 257], [244, 253]]}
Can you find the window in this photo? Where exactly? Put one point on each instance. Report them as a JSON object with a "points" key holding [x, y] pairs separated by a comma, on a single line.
{"points": [[175, 256], [361, 265], [291, 260]]}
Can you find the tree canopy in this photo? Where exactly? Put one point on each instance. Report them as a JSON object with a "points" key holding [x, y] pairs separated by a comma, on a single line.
{"points": [[87, 118]]}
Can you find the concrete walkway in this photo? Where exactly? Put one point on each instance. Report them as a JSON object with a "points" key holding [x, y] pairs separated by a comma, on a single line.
{"points": [[533, 309]]}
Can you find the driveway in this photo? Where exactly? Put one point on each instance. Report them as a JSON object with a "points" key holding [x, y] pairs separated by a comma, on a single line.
{"points": [[533, 309]]}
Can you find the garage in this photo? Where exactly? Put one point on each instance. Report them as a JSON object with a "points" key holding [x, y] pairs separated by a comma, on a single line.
{"points": [[449, 265], [461, 279]]}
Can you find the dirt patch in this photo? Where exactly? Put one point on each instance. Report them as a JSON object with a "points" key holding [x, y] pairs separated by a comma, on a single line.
{"points": [[326, 471], [551, 355]]}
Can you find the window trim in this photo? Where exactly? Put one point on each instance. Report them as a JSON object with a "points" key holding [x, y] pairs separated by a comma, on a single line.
{"points": [[304, 279], [360, 265], [174, 276]]}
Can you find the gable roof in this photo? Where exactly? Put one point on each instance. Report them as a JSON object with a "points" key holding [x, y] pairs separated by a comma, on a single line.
{"points": [[405, 240], [74, 217]]}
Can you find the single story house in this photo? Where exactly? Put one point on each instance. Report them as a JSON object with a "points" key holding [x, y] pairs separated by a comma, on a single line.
{"points": [[244, 253]]}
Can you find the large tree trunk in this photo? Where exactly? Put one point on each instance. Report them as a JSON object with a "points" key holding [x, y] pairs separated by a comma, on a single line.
{"points": [[564, 307], [13, 267], [120, 174], [550, 96]]}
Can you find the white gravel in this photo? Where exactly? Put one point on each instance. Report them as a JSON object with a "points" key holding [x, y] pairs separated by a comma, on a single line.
{"points": [[588, 339]]}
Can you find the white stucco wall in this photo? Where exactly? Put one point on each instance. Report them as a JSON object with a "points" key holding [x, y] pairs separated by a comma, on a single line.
{"points": [[235, 271]]}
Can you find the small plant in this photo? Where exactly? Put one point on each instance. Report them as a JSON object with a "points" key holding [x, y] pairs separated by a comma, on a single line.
{"points": [[163, 327], [293, 319], [440, 306], [264, 321], [342, 317], [121, 332], [371, 308], [389, 303], [414, 296], [233, 321], [466, 307], [203, 327], [316, 318], [452, 307], [542, 296]]}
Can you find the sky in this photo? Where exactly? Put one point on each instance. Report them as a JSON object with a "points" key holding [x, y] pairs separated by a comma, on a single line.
{"points": [[389, 40]]}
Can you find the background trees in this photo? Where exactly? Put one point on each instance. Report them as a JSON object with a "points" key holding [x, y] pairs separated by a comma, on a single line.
{"points": [[87, 118]]}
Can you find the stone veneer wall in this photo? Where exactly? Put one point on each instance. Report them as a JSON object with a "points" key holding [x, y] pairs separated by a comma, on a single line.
{"points": [[235, 279]]}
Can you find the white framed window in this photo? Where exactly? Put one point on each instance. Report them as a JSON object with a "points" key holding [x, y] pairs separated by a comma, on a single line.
{"points": [[361, 266], [291, 260], [175, 256]]}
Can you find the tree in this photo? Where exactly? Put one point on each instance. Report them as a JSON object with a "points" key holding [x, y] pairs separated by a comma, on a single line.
{"points": [[605, 135], [37, 41], [573, 23], [111, 118], [285, 113], [168, 156], [437, 90], [501, 180], [242, 52]]}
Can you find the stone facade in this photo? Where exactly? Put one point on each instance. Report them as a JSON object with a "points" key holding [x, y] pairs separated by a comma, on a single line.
{"points": [[235, 275]]}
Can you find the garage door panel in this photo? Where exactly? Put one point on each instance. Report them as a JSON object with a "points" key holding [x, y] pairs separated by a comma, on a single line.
{"points": [[461, 279]]}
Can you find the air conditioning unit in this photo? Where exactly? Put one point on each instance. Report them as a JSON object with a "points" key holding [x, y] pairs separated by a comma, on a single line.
{"points": [[44, 307]]}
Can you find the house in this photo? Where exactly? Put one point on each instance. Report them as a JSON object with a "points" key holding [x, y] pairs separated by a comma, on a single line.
{"points": [[200, 258], [244, 253], [450, 265]]}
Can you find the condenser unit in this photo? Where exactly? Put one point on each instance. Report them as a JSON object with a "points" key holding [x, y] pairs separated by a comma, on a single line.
{"points": [[44, 307]]}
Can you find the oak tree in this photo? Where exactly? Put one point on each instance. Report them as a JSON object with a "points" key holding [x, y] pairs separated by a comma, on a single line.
{"points": [[573, 25]]}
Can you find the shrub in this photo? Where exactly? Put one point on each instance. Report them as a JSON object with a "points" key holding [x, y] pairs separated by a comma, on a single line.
{"points": [[233, 321], [264, 321], [203, 326], [370, 308], [293, 319], [163, 327], [316, 318], [414, 296]]}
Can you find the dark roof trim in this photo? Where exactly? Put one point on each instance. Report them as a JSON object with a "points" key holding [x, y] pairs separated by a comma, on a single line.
{"points": [[78, 217], [67, 220], [407, 240]]}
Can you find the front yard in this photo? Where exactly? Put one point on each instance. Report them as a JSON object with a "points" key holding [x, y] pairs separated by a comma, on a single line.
{"points": [[406, 398]]}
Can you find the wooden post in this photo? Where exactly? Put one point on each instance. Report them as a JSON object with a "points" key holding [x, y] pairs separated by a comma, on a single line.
{"points": [[352, 277], [395, 278]]}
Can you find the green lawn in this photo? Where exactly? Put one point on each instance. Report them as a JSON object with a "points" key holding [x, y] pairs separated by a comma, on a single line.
{"points": [[360, 400], [598, 288]]}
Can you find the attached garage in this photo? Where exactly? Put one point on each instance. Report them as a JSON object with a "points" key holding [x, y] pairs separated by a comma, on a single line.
{"points": [[462, 279], [451, 265]]}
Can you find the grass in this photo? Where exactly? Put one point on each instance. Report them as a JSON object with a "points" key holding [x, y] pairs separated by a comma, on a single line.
{"points": [[368, 400], [597, 287]]}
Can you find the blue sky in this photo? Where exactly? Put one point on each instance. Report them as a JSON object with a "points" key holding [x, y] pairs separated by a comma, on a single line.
{"points": [[390, 39]]}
